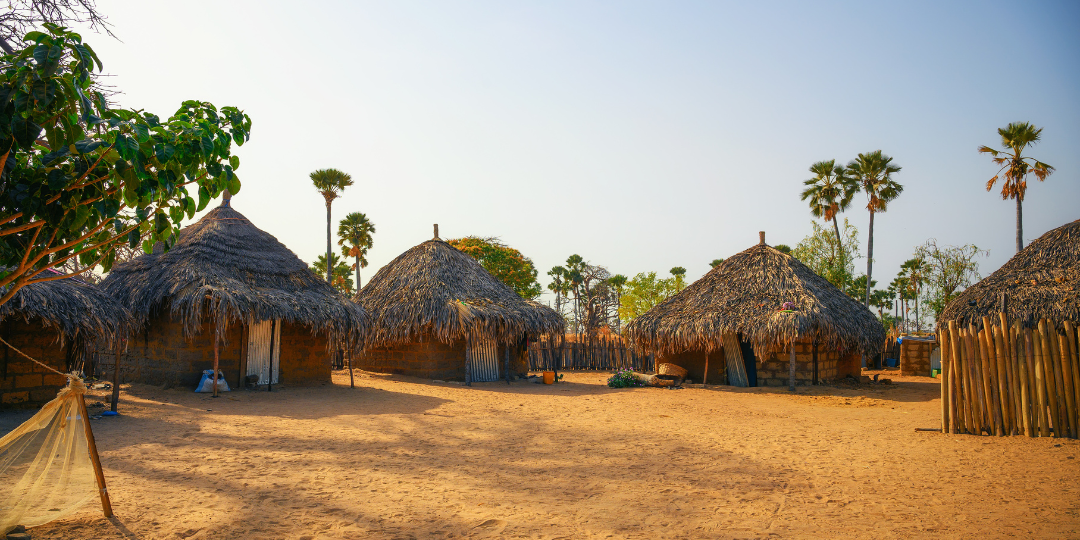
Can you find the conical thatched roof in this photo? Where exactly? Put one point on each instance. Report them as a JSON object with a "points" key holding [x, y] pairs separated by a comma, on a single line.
{"points": [[77, 310], [744, 294], [226, 268], [435, 288], [1041, 281]]}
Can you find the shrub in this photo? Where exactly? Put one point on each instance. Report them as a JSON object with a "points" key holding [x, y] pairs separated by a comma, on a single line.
{"points": [[624, 379]]}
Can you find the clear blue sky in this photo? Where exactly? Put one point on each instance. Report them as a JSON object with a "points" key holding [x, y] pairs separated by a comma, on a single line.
{"points": [[640, 135]]}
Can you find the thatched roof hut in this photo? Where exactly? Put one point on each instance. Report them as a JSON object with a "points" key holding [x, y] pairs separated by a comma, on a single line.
{"points": [[226, 269], [436, 289], [744, 294], [76, 310], [1042, 281]]}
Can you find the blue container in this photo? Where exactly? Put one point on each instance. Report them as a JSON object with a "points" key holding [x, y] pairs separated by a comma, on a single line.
{"points": [[892, 362]]}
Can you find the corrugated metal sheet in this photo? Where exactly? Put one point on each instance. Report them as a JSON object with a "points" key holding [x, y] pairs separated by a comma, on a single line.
{"points": [[259, 360], [484, 359]]}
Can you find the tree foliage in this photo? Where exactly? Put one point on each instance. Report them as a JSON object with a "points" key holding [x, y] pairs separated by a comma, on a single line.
{"points": [[1016, 167], [643, 292], [829, 192], [507, 264], [80, 178], [873, 172], [832, 261], [354, 237], [342, 275], [948, 271]]}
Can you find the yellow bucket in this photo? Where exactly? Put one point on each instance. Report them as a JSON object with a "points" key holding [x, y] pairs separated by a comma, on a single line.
{"points": [[549, 377]]}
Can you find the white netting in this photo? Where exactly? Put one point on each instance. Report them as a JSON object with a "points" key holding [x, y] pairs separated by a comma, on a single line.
{"points": [[45, 467]]}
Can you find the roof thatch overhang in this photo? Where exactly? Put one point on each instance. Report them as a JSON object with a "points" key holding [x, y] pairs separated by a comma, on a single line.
{"points": [[78, 311], [435, 289], [744, 294], [225, 268], [1042, 281]]}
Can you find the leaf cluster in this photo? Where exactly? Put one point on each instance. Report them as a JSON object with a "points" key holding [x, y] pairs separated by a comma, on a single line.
{"points": [[507, 264]]}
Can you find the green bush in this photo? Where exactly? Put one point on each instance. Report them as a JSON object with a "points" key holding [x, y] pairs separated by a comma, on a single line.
{"points": [[624, 379]]}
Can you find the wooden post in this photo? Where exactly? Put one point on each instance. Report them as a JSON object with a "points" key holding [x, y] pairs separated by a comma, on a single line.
{"points": [[990, 378], [106, 504], [241, 382], [1040, 384], [979, 413], [791, 367], [943, 379], [1049, 377], [116, 375], [507, 370], [705, 377], [1067, 379], [1059, 381], [352, 384], [1003, 381], [270, 375], [1024, 335], [1074, 363], [468, 361], [217, 338], [1025, 385], [955, 407]]}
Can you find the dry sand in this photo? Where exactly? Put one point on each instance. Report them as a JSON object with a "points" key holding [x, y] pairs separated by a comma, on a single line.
{"points": [[399, 457]]}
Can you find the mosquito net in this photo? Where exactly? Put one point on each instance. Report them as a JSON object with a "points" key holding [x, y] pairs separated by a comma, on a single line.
{"points": [[45, 467]]}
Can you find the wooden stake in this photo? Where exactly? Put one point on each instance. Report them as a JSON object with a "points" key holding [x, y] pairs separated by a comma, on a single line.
{"points": [[705, 377], [468, 361], [106, 504], [1003, 381], [270, 375], [1033, 396], [1074, 363], [990, 376], [1040, 384], [1067, 380], [1050, 370], [791, 368], [986, 380], [507, 362], [975, 379], [217, 338], [352, 384], [1025, 385], [955, 407], [943, 380], [116, 376]]}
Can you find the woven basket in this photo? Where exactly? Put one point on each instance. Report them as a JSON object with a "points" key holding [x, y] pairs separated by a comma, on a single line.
{"points": [[670, 369]]}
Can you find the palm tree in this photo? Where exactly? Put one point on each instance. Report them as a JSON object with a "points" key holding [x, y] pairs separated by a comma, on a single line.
{"points": [[330, 182], [618, 283], [715, 263], [1015, 137], [873, 172], [830, 192], [354, 235]]}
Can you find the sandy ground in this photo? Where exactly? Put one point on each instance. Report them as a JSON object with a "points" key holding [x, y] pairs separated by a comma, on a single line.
{"points": [[404, 458]]}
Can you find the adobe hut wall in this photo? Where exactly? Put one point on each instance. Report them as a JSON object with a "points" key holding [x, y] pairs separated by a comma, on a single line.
{"points": [[774, 367], [915, 357], [162, 355], [430, 358], [849, 364], [694, 364], [24, 384]]}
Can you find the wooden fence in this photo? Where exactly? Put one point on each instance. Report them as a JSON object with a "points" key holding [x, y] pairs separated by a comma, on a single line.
{"points": [[1010, 380], [604, 353]]}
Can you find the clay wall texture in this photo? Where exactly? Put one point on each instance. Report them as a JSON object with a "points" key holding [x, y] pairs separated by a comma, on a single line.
{"points": [[24, 384], [161, 355], [430, 358], [915, 357], [772, 367]]}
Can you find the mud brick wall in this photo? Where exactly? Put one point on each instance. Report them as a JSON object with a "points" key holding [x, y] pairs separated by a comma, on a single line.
{"points": [[432, 359], [773, 367], [163, 356], [915, 357], [24, 384], [694, 364]]}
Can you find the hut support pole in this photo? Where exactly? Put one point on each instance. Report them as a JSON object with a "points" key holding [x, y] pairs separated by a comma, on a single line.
{"points": [[270, 375], [950, 379], [705, 376], [1022, 376], [217, 339], [468, 361], [791, 367], [943, 379], [91, 446], [1035, 342], [116, 376], [507, 364], [352, 384]]}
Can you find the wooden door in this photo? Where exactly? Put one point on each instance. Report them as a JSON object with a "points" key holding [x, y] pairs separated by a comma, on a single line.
{"points": [[484, 359], [259, 360]]}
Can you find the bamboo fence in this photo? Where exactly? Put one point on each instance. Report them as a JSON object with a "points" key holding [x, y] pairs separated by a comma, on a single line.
{"points": [[605, 353], [1007, 379]]}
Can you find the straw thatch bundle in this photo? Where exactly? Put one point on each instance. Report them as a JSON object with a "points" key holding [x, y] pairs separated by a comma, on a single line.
{"points": [[744, 294], [77, 310], [436, 289], [1042, 281], [225, 268]]}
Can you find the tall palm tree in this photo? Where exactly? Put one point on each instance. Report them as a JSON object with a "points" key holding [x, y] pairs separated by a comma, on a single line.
{"points": [[354, 236], [830, 192], [1015, 137], [873, 172], [330, 183]]}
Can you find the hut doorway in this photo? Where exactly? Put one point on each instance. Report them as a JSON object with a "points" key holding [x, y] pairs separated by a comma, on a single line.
{"points": [[484, 360], [261, 335], [750, 361]]}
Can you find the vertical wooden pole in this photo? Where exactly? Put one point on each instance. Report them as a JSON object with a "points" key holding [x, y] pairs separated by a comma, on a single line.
{"points": [[270, 375], [1026, 344], [1074, 363], [116, 375], [1025, 384], [791, 367], [973, 395], [241, 381], [106, 504], [705, 377], [352, 384], [468, 361], [943, 379], [217, 339], [1049, 377], [507, 370], [990, 378], [1067, 379], [1003, 381], [1059, 380], [953, 379], [1040, 383], [967, 394]]}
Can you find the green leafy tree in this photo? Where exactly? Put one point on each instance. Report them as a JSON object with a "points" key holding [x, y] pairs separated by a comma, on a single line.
{"points": [[618, 285], [873, 171], [354, 237], [80, 178], [507, 264], [829, 192], [1015, 137], [914, 270], [560, 286], [715, 263], [832, 261], [949, 270], [783, 248], [330, 183], [678, 278], [642, 293], [342, 279], [856, 288]]}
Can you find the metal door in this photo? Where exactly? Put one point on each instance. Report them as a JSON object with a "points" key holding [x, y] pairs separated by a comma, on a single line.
{"points": [[259, 361], [484, 359]]}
